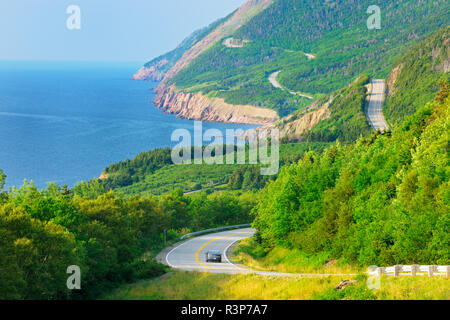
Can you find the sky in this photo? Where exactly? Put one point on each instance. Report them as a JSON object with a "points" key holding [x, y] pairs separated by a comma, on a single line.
{"points": [[110, 30]]}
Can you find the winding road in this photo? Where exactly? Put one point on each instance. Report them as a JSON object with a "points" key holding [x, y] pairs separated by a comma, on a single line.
{"points": [[273, 80], [190, 255], [375, 108]]}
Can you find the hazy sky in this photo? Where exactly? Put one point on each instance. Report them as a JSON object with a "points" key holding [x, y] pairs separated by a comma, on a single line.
{"points": [[129, 30]]}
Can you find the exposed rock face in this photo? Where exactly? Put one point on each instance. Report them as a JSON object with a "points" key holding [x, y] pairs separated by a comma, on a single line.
{"points": [[295, 127], [152, 73], [103, 176], [198, 107]]}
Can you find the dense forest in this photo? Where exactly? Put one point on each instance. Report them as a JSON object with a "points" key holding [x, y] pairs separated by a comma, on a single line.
{"points": [[153, 173], [343, 193], [113, 239], [384, 200]]}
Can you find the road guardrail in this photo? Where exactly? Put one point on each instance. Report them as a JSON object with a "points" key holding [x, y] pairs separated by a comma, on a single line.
{"points": [[198, 233]]}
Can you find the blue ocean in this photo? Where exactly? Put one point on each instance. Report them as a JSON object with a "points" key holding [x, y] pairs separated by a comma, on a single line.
{"points": [[65, 122]]}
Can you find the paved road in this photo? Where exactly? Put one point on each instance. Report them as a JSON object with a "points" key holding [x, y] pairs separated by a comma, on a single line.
{"points": [[190, 255], [273, 80], [375, 109]]}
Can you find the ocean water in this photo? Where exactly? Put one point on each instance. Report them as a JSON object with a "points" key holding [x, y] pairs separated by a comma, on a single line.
{"points": [[65, 122]]}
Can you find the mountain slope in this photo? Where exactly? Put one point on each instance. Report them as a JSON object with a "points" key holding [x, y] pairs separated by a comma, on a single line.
{"points": [[382, 201], [339, 115], [230, 25], [412, 82], [155, 69], [415, 77], [278, 38]]}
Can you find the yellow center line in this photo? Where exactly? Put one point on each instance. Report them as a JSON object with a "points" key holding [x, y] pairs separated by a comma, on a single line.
{"points": [[202, 247]]}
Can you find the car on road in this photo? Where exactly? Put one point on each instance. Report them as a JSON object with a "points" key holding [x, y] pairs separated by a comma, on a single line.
{"points": [[214, 256]]}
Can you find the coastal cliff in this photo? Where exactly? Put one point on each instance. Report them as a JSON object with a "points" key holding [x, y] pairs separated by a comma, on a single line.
{"points": [[198, 107], [194, 105]]}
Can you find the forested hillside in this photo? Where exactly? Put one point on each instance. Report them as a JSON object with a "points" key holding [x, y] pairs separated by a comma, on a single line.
{"points": [[414, 80], [155, 69], [384, 200], [336, 35], [153, 173], [113, 239]]}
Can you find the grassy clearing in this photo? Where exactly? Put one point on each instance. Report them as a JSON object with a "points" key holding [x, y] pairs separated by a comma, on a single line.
{"points": [[182, 285], [288, 260]]}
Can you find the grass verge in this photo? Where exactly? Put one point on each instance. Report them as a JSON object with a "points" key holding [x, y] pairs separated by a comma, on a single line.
{"points": [[250, 254], [181, 285]]}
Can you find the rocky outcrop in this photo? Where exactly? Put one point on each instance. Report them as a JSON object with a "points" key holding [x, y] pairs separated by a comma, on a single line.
{"points": [[295, 126], [195, 106], [103, 176], [198, 107], [151, 73]]}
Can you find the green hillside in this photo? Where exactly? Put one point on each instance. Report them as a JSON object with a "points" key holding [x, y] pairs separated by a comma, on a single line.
{"points": [[163, 63], [347, 121], [153, 173], [416, 75], [384, 200]]}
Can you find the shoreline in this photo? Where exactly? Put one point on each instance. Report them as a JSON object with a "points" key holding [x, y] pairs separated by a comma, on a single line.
{"points": [[195, 106]]}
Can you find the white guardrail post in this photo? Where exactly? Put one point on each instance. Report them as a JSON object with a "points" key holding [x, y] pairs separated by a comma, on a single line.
{"points": [[412, 270]]}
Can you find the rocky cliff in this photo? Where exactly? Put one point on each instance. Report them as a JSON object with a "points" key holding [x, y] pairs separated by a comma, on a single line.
{"points": [[198, 107]]}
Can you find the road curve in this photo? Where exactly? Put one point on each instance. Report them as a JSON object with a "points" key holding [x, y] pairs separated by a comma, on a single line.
{"points": [[190, 255], [375, 109], [273, 80]]}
